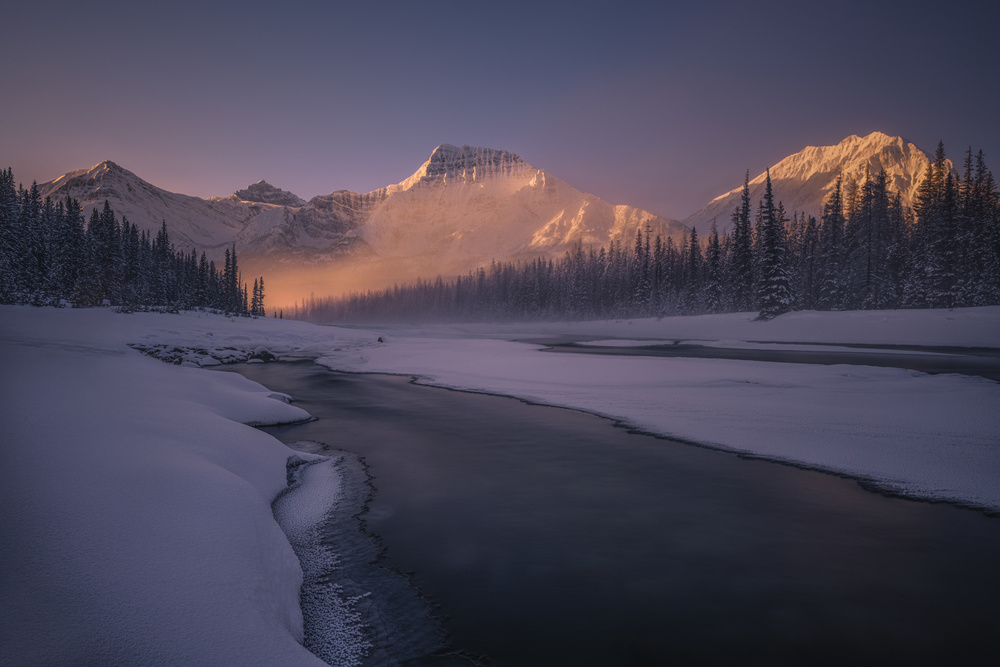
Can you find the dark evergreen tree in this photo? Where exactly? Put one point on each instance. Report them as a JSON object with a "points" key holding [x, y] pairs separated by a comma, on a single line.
{"points": [[985, 236], [808, 265], [741, 278], [691, 299], [713, 273], [9, 238], [832, 288], [32, 246], [70, 245], [257, 300], [868, 236], [775, 295]]}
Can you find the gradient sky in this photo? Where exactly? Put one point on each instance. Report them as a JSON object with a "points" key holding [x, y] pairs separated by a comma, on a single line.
{"points": [[660, 105]]}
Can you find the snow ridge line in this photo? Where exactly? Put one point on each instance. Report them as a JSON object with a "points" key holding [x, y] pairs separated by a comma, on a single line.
{"points": [[333, 629]]}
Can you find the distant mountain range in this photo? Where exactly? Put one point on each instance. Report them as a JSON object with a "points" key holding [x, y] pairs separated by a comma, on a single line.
{"points": [[464, 207]]}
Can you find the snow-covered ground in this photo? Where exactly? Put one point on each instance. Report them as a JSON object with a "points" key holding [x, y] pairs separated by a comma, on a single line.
{"points": [[961, 327], [136, 502]]}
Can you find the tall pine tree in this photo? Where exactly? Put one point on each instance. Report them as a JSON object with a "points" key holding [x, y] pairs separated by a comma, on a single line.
{"points": [[775, 289]]}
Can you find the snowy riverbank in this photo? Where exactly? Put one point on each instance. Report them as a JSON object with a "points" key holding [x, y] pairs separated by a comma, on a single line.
{"points": [[929, 436], [961, 327], [926, 436], [137, 500]]}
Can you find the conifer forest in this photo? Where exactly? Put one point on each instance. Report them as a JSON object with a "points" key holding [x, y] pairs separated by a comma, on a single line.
{"points": [[48, 256], [867, 251]]}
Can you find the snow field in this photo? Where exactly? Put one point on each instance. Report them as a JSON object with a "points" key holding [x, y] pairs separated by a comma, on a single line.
{"points": [[960, 327], [135, 505]]}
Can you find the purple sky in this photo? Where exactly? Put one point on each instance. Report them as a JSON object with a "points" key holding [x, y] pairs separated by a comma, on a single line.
{"points": [[656, 104]]}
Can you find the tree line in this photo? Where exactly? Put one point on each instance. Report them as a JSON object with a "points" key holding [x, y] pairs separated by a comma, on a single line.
{"points": [[866, 251], [49, 256]]}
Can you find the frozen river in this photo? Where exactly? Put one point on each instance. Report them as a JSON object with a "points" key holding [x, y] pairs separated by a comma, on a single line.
{"points": [[549, 536]]}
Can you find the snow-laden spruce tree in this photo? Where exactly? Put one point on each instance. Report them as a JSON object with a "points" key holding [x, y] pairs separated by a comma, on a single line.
{"points": [[713, 272], [832, 287], [741, 273], [774, 291]]}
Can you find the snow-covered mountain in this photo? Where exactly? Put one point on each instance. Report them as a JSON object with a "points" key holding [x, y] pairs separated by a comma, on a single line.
{"points": [[463, 207], [192, 222], [802, 181], [483, 203]]}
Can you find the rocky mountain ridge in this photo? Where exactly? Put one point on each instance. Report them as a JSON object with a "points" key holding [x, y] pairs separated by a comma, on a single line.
{"points": [[803, 181], [263, 192]]}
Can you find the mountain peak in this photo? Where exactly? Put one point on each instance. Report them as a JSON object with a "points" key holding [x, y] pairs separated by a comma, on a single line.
{"points": [[107, 165], [876, 137], [448, 159], [445, 149], [871, 142], [876, 151], [104, 174], [106, 169], [468, 164], [264, 193], [803, 180]]}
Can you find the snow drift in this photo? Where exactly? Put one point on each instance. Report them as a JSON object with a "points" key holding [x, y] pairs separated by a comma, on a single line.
{"points": [[136, 506]]}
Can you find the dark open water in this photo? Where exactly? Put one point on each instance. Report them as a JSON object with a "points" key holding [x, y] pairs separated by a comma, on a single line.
{"points": [[551, 537]]}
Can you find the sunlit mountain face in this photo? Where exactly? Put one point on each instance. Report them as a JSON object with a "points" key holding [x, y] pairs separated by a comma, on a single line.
{"points": [[464, 207], [803, 181]]}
